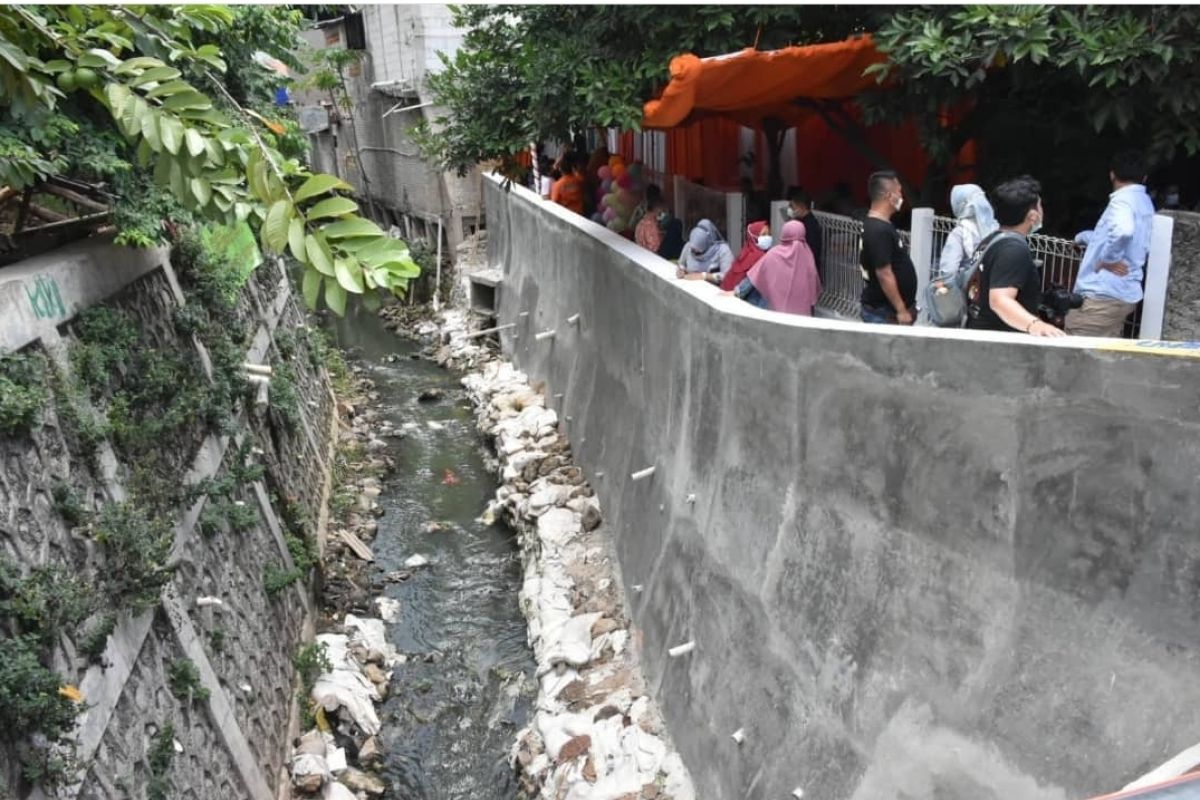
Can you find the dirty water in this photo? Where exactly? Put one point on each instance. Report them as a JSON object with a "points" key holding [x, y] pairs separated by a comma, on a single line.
{"points": [[456, 705]]}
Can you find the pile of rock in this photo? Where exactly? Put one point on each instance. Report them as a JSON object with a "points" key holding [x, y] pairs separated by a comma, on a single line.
{"points": [[596, 734], [334, 757]]}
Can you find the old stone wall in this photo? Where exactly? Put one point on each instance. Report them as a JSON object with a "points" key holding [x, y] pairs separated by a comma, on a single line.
{"points": [[911, 563], [158, 516], [1181, 319]]}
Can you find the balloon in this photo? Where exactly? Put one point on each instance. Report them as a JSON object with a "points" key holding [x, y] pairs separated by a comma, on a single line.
{"points": [[598, 217], [609, 215], [615, 225], [613, 160], [606, 184], [625, 181], [605, 173], [635, 169], [609, 200], [618, 171]]}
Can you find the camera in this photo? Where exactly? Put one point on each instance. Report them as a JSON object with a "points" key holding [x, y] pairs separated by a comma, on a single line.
{"points": [[1056, 302]]}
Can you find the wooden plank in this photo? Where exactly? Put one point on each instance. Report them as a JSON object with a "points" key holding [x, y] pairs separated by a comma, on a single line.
{"points": [[356, 545]]}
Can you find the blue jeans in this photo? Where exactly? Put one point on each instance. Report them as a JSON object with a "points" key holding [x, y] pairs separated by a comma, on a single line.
{"points": [[881, 315], [878, 315]]}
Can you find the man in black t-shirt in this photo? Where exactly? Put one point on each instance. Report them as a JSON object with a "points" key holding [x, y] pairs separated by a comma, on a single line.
{"points": [[890, 291], [800, 207], [1010, 287]]}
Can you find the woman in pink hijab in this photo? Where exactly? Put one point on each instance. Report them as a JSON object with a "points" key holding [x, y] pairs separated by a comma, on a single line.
{"points": [[785, 279]]}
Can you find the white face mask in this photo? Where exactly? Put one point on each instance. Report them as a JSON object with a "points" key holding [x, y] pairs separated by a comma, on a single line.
{"points": [[765, 241], [1172, 199], [898, 203]]}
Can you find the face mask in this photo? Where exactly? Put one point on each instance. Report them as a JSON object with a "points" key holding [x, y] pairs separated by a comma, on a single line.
{"points": [[663, 217], [793, 213], [898, 203], [1037, 226], [765, 241], [1172, 199]]}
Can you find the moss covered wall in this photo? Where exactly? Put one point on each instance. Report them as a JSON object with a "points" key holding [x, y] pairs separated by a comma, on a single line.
{"points": [[158, 522]]}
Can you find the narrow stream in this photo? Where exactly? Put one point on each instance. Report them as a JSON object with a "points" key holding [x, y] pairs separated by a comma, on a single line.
{"points": [[456, 704]]}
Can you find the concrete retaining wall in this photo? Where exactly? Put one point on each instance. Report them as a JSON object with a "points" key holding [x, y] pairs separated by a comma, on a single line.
{"points": [[914, 563], [235, 742]]}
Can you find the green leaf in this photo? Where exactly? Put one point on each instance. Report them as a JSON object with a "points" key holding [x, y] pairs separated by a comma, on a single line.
{"points": [[348, 228], [296, 240], [170, 130], [319, 184], [318, 255], [201, 190], [149, 124], [403, 268], [97, 58], [190, 99], [162, 170], [194, 142], [349, 275], [169, 88], [132, 65], [117, 95], [312, 287], [155, 75], [275, 228], [372, 301], [335, 297], [332, 207]]}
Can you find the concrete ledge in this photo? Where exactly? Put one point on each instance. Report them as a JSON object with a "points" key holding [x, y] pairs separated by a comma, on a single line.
{"points": [[917, 562], [44, 292]]}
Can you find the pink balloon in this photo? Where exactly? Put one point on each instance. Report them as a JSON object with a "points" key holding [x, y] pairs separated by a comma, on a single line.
{"points": [[609, 215]]}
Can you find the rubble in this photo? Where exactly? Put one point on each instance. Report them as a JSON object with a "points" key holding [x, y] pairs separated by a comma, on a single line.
{"points": [[596, 733]]}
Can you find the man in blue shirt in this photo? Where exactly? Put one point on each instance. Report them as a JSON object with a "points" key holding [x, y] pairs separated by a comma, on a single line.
{"points": [[1110, 276]]}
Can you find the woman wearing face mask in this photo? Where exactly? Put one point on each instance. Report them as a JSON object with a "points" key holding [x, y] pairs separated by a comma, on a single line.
{"points": [[707, 256], [785, 279], [757, 242], [657, 230]]}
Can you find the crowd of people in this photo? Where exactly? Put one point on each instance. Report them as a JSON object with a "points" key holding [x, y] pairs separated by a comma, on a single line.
{"points": [[988, 248]]}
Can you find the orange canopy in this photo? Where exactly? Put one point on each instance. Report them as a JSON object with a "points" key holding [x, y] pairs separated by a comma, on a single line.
{"points": [[751, 85]]}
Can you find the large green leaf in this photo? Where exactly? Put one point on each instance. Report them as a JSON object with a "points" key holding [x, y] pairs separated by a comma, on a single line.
{"points": [[169, 88], [155, 75], [149, 125], [132, 65], [194, 141], [333, 207], [349, 275], [319, 184], [189, 100], [318, 254], [170, 130], [348, 228], [296, 240], [201, 190], [335, 297], [311, 287], [275, 228]]}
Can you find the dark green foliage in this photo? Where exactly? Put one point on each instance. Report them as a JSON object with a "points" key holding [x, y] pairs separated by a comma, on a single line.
{"points": [[106, 336], [216, 640], [284, 399], [49, 601], [162, 753], [277, 578], [22, 392], [95, 640], [184, 678], [310, 661], [136, 547], [29, 698], [68, 504]]}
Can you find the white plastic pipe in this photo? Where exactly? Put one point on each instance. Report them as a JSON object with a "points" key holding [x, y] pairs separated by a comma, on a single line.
{"points": [[739, 735], [642, 474], [544, 335], [573, 319], [257, 369], [486, 331], [681, 650]]}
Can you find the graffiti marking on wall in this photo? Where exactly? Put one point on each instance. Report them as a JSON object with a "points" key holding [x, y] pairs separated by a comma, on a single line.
{"points": [[45, 300]]}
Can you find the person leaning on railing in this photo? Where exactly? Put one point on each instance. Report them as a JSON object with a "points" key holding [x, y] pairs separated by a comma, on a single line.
{"points": [[706, 256], [1009, 286], [889, 293]]}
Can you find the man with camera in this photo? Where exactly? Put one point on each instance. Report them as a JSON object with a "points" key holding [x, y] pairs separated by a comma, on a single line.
{"points": [[1007, 290], [1110, 276]]}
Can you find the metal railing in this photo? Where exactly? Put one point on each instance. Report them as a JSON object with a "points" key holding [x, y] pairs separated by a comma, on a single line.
{"points": [[841, 239]]}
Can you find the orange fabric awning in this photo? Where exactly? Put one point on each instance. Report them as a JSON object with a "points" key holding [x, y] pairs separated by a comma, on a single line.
{"points": [[750, 85]]}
